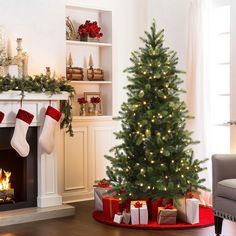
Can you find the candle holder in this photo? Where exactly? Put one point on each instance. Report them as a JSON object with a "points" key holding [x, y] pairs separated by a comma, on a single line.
{"points": [[21, 59]]}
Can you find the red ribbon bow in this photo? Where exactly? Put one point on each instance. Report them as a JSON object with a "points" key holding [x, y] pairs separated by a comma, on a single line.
{"points": [[189, 195], [138, 204], [168, 206], [103, 184]]}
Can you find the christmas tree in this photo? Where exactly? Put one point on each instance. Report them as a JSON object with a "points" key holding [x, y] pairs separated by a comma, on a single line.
{"points": [[154, 158]]}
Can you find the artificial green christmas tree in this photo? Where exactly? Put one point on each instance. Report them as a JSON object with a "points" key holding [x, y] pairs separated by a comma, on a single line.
{"points": [[154, 158]]}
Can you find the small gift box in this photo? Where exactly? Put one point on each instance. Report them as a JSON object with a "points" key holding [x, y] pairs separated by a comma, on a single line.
{"points": [[139, 212], [118, 218], [111, 206], [167, 215], [188, 209], [126, 216], [100, 190]]}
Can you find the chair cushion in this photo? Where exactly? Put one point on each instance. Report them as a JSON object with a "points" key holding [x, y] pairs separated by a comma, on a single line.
{"points": [[227, 188]]}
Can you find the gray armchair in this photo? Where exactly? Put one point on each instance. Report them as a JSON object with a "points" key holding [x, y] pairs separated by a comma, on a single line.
{"points": [[224, 189]]}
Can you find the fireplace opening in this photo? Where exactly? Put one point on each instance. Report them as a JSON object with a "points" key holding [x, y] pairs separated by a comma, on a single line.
{"points": [[18, 175]]}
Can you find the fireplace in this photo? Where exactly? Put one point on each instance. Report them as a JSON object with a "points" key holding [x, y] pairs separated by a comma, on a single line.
{"points": [[21, 172], [34, 179]]}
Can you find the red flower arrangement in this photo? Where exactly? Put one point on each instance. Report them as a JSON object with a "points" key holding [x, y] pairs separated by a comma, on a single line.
{"points": [[90, 29], [82, 100], [95, 100]]}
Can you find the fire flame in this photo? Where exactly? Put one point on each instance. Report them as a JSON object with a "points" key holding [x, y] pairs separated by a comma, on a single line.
{"points": [[5, 181]]}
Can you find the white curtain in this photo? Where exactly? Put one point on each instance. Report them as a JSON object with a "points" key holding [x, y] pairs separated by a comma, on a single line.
{"points": [[198, 85]]}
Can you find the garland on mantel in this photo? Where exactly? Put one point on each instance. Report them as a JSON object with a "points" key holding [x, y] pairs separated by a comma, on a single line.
{"points": [[43, 84]]}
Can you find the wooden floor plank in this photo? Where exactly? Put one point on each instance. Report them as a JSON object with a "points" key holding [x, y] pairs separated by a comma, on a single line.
{"points": [[82, 224]]}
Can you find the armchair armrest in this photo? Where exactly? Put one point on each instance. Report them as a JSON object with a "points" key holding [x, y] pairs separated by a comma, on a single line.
{"points": [[223, 167]]}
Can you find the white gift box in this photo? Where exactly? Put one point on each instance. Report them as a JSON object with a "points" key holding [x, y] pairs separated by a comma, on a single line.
{"points": [[98, 194], [188, 210], [118, 218], [139, 215]]}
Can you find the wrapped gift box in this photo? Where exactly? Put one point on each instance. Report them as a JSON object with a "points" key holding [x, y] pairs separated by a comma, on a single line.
{"points": [[166, 216], [188, 210], [139, 212], [100, 191], [111, 206], [118, 218], [126, 216]]}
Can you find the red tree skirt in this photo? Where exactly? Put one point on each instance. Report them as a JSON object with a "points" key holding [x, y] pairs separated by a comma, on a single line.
{"points": [[206, 219]]}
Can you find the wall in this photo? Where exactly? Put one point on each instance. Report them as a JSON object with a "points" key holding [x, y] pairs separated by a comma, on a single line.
{"points": [[172, 16], [41, 25]]}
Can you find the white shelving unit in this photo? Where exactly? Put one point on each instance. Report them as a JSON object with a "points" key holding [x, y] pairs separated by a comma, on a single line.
{"points": [[101, 52], [84, 161]]}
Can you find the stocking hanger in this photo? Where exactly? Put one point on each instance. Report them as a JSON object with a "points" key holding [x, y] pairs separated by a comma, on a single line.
{"points": [[21, 100]]}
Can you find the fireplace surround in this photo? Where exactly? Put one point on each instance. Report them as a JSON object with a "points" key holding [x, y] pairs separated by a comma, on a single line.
{"points": [[45, 201]]}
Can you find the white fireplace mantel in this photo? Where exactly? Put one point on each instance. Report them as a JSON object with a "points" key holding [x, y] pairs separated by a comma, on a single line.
{"points": [[36, 104], [12, 95]]}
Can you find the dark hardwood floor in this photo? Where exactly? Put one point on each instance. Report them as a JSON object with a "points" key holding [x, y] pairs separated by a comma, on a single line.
{"points": [[82, 224]]}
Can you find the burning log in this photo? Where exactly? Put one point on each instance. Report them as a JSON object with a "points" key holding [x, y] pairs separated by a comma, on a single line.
{"points": [[6, 195]]}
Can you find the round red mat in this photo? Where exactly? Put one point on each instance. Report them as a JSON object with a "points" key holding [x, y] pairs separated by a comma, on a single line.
{"points": [[205, 213]]}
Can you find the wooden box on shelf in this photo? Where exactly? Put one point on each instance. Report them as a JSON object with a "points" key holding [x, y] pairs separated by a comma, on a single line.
{"points": [[74, 73], [95, 74]]}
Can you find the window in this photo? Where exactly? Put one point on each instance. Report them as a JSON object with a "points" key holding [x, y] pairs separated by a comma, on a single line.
{"points": [[220, 79]]}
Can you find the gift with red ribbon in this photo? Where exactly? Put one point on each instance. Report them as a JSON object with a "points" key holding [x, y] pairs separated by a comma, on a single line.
{"points": [[188, 209], [118, 218], [159, 202], [167, 215], [139, 212], [111, 206], [101, 189]]}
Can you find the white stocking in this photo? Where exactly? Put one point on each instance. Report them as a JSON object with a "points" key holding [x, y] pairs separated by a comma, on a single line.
{"points": [[18, 141], [46, 139]]}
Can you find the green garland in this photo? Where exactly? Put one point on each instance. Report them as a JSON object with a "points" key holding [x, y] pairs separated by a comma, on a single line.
{"points": [[43, 84]]}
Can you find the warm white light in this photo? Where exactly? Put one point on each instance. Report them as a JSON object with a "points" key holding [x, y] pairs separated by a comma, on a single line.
{"points": [[5, 182]]}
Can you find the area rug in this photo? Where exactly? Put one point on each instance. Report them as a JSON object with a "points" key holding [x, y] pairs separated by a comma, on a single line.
{"points": [[205, 213]]}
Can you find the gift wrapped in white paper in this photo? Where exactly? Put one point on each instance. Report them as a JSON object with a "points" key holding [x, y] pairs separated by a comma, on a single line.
{"points": [[118, 218], [188, 210], [139, 212], [98, 194]]}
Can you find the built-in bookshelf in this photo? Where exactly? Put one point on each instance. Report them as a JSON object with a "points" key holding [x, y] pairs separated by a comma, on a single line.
{"points": [[101, 52]]}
